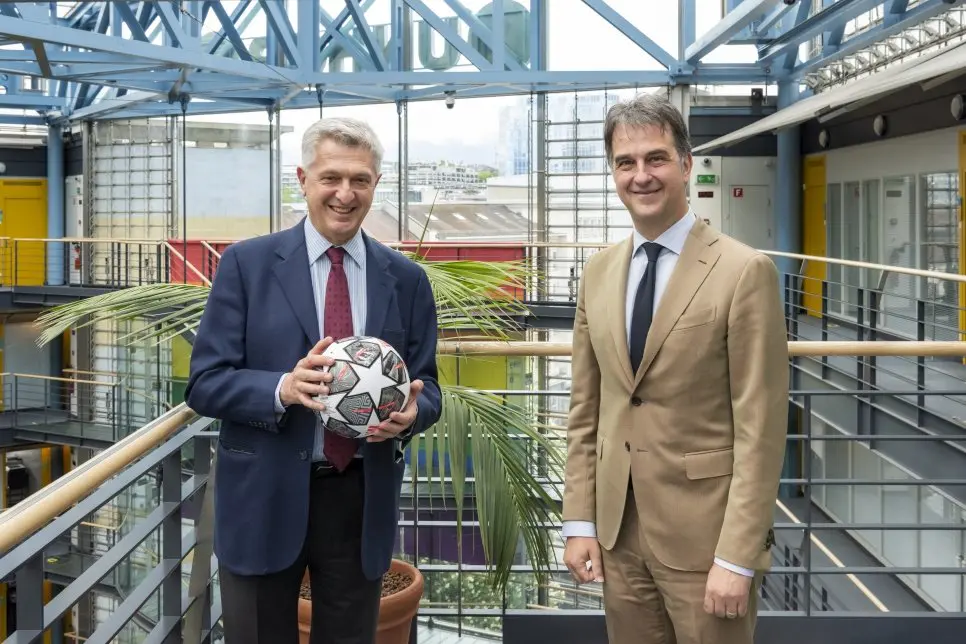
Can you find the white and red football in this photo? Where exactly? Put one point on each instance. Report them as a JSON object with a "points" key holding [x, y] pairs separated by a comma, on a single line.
{"points": [[369, 382]]}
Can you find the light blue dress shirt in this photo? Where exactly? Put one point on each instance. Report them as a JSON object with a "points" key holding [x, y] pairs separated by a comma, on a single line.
{"points": [[354, 266]]}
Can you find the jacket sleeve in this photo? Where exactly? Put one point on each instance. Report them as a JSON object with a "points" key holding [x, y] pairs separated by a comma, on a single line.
{"points": [[580, 474], [219, 384], [421, 361], [758, 373]]}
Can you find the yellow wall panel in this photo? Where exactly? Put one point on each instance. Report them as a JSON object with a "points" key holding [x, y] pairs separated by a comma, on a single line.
{"points": [[813, 231], [23, 215]]}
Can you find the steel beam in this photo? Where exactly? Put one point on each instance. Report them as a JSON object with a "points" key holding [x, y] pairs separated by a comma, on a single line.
{"points": [[773, 19], [365, 32], [481, 31], [164, 55], [727, 27], [99, 74], [910, 18], [624, 26], [826, 20]]}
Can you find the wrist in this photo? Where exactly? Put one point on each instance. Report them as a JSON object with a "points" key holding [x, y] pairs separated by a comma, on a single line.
{"points": [[283, 391]]}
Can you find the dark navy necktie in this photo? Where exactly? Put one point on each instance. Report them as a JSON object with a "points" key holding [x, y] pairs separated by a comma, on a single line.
{"points": [[644, 305]]}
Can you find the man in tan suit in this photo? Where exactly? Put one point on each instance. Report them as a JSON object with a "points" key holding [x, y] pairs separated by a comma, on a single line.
{"points": [[679, 405]]}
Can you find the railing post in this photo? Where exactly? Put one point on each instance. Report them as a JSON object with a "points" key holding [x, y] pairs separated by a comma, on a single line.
{"points": [[171, 543], [807, 541], [861, 403], [789, 577], [30, 600], [824, 306], [197, 619], [115, 406], [920, 363], [873, 335]]}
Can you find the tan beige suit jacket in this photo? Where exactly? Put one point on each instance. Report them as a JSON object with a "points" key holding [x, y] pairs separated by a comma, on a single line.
{"points": [[701, 426]]}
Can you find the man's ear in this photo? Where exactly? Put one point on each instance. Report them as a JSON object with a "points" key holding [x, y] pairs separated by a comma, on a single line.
{"points": [[687, 162], [300, 173]]}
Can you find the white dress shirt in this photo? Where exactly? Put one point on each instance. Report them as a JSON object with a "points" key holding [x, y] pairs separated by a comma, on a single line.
{"points": [[672, 240]]}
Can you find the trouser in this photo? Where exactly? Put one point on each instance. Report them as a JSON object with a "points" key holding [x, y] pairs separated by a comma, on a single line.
{"points": [[646, 602], [345, 604]]}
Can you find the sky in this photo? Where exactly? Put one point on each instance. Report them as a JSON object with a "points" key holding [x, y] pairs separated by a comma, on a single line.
{"points": [[579, 40]]}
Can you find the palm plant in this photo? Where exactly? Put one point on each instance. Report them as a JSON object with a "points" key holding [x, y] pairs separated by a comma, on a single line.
{"points": [[501, 440]]}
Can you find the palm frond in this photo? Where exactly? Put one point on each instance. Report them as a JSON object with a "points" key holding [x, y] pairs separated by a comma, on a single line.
{"points": [[511, 502], [477, 295], [167, 309]]}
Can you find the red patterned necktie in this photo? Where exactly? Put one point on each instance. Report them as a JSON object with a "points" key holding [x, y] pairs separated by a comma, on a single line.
{"points": [[337, 316]]}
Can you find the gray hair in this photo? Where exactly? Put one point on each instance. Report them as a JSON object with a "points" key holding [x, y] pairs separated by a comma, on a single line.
{"points": [[345, 131], [644, 110]]}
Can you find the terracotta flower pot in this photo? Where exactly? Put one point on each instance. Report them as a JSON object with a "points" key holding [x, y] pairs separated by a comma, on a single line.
{"points": [[396, 611]]}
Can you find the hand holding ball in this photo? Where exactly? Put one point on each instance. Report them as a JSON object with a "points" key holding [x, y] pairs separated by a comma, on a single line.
{"points": [[369, 382]]}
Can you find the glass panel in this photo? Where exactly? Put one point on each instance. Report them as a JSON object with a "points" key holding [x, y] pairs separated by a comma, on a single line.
{"points": [[900, 504], [940, 548], [819, 466], [837, 467], [867, 499], [939, 251], [899, 219], [873, 227], [834, 240], [851, 247]]}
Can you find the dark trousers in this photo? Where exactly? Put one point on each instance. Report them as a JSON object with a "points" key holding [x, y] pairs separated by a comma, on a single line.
{"points": [[345, 605]]}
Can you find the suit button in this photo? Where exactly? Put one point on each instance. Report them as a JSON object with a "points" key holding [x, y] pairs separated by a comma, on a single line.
{"points": [[303, 455], [637, 402], [627, 446]]}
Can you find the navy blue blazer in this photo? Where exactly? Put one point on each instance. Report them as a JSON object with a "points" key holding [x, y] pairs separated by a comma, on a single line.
{"points": [[259, 321]]}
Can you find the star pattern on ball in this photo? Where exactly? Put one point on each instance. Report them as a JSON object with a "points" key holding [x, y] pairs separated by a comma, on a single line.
{"points": [[370, 381]]}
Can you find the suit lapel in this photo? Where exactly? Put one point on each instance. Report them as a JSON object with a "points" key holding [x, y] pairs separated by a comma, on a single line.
{"points": [[380, 286], [697, 258], [616, 298], [293, 275]]}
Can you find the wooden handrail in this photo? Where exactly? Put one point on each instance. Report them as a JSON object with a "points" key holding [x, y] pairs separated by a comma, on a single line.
{"points": [[918, 272], [31, 514], [75, 381], [795, 348]]}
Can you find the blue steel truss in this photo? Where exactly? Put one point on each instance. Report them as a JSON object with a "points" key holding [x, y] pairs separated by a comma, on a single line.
{"points": [[94, 60]]}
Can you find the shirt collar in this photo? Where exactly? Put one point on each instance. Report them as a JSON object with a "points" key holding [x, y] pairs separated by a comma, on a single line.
{"points": [[316, 245], [673, 238]]}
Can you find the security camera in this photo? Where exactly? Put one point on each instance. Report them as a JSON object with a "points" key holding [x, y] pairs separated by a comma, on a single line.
{"points": [[789, 2], [705, 161], [450, 100]]}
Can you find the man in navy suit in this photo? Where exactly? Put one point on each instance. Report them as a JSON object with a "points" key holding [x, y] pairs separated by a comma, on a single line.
{"points": [[290, 496]]}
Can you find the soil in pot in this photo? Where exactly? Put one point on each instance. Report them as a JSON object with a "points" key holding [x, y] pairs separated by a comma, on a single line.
{"points": [[392, 582]]}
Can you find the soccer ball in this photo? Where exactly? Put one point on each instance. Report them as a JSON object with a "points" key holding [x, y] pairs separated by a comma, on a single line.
{"points": [[369, 382]]}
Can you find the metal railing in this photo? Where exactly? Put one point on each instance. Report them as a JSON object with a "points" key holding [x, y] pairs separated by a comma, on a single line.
{"points": [[838, 336], [823, 562], [895, 294], [102, 263], [37, 407]]}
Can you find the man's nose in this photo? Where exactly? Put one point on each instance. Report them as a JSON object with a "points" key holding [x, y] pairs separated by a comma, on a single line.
{"points": [[345, 194], [641, 173]]}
